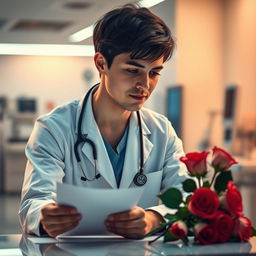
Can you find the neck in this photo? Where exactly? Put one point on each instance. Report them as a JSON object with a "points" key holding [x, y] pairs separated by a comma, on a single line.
{"points": [[111, 118], [107, 112]]}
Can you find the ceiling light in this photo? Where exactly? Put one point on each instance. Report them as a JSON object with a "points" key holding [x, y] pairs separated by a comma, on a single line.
{"points": [[149, 3], [88, 31], [82, 34], [47, 49]]}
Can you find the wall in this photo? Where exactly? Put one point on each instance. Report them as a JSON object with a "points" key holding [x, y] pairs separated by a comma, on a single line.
{"points": [[57, 79], [199, 26], [216, 48], [240, 62], [48, 79], [168, 78]]}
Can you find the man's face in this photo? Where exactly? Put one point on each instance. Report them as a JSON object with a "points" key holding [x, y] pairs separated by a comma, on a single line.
{"points": [[129, 82]]}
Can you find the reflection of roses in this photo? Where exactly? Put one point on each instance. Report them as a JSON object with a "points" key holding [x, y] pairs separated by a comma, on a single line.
{"points": [[224, 225], [222, 159], [204, 203], [205, 233], [243, 228], [232, 200], [195, 162], [179, 229]]}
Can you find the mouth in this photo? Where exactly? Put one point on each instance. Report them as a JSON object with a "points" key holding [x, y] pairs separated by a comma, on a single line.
{"points": [[139, 97]]}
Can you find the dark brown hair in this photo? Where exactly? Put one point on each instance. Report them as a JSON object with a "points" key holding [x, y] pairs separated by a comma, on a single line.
{"points": [[134, 30]]}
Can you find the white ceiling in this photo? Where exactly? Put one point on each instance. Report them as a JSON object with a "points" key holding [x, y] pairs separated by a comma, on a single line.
{"points": [[13, 11]]}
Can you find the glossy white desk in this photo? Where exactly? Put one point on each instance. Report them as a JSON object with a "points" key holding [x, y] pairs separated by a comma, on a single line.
{"points": [[16, 245]]}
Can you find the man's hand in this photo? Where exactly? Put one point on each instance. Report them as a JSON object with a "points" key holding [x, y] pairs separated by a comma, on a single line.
{"points": [[133, 223], [57, 219]]}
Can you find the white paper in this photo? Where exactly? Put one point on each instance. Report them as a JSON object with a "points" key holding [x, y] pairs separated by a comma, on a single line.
{"points": [[95, 205], [42, 240], [101, 238]]}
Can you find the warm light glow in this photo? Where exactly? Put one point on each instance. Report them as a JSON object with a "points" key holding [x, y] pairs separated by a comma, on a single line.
{"points": [[46, 49], [88, 31]]}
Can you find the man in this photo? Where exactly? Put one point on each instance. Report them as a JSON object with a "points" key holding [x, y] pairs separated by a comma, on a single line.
{"points": [[131, 45]]}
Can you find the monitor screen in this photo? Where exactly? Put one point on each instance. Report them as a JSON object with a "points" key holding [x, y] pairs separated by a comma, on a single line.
{"points": [[230, 100], [174, 107]]}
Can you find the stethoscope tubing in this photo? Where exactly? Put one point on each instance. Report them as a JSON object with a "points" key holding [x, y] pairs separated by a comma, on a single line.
{"points": [[140, 178]]}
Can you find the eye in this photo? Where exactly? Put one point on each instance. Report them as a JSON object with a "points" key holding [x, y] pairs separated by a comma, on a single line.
{"points": [[154, 74], [132, 71]]}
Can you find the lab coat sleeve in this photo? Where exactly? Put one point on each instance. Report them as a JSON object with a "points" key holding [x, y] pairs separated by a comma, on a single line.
{"points": [[44, 168], [174, 171]]}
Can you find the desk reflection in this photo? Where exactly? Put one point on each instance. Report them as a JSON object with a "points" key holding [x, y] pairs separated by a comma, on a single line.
{"points": [[130, 248]]}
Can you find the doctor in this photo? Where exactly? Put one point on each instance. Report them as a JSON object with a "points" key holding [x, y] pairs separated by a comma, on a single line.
{"points": [[108, 140]]}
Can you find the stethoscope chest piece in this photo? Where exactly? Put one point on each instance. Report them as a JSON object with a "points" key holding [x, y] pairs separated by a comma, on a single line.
{"points": [[140, 179]]}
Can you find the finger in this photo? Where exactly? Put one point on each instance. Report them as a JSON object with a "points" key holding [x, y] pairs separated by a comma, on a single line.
{"points": [[54, 230], [137, 223], [61, 219], [55, 209], [130, 229], [133, 214]]}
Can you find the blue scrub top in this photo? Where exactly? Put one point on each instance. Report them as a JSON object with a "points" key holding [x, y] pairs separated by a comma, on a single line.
{"points": [[117, 157]]}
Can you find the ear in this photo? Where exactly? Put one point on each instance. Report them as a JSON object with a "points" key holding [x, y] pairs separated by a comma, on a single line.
{"points": [[100, 62]]}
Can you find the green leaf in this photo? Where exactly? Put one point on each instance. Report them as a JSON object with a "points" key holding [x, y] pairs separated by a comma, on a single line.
{"points": [[189, 185], [221, 181], [187, 199], [168, 237], [253, 231], [171, 198], [170, 216], [182, 213], [206, 184]]}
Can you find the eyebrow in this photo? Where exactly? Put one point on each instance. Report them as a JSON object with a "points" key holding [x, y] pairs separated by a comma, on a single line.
{"points": [[136, 64]]}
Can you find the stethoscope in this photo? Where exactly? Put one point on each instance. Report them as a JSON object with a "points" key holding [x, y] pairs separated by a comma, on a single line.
{"points": [[139, 179]]}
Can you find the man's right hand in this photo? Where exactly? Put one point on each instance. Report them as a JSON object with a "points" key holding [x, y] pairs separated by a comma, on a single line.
{"points": [[57, 219]]}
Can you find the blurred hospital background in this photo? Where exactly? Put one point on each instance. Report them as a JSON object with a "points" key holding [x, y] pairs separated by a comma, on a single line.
{"points": [[207, 90]]}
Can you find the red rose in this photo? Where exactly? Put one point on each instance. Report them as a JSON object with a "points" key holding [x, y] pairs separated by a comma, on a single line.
{"points": [[224, 225], [232, 200], [178, 229], [204, 203], [196, 163], [205, 233], [222, 159], [243, 228]]}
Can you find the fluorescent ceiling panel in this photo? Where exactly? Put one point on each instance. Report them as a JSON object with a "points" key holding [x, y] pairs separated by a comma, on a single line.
{"points": [[46, 49]]}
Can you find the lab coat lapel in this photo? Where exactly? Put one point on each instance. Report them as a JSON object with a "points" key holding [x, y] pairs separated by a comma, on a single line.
{"points": [[91, 130], [132, 154]]}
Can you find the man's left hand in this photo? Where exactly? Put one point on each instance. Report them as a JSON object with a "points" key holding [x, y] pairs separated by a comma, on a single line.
{"points": [[133, 223]]}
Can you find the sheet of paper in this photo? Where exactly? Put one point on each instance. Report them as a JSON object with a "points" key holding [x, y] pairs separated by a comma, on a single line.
{"points": [[101, 238], [95, 205], [42, 240], [85, 239]]}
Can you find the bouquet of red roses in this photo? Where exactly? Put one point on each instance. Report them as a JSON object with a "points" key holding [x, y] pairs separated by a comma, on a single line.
{"points": [[212, 211]]}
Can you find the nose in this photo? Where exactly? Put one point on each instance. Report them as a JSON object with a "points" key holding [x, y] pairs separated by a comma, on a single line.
{"points": [[143, 82]]}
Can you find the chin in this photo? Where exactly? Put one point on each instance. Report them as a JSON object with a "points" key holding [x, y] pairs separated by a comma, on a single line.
{"points": [[134, 107]]}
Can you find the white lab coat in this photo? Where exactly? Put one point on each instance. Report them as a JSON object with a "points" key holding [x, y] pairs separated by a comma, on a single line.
{"points": [[51, 159]]}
